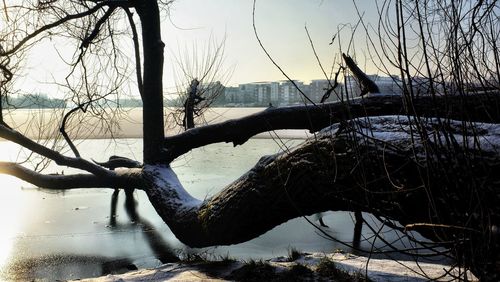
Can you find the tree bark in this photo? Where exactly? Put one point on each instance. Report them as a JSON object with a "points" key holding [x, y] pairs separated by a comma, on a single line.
{"points": [[443, 177], [128, 178], [367, 85], [481, 108], [189, 105], [373, 164], [152, 98]]}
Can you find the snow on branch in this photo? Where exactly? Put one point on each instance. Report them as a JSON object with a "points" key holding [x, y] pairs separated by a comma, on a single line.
{"points": [[167, 185], [406, 132]]}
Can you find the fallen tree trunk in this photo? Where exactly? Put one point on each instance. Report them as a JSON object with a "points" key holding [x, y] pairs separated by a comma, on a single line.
{"points": [[438, 177]]}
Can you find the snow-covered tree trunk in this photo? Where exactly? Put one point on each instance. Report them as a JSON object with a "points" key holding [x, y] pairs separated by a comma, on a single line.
{"points": [[437, 177]]}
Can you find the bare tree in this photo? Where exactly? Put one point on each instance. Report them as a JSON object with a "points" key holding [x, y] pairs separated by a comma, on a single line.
{"points": [[426, 160], [200, 82]]}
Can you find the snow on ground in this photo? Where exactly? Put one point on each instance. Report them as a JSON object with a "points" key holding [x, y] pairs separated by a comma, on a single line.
{"points": [[167, 272], [377, 270], [390, 270]]}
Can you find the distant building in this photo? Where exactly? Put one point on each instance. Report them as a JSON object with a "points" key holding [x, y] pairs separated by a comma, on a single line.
{"points": [[319, 87], [274, 93], [263, 94], [351, 87], [386, 84], [421, 86], [214, 90], [285, 93], [231, 95], [289, 94]]}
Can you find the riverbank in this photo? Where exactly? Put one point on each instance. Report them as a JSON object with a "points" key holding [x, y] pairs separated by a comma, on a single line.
{"points": [[307, 266]]}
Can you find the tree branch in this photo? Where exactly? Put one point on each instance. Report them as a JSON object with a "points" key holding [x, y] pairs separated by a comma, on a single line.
{"points": [[481, 108], [97, 28], [56, 24], [137, 54], [62, 129], [18, 138], [122, 179], [367, 85]]}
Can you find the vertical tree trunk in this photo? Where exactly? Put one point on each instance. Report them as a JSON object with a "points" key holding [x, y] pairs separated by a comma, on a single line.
{"points": [[152, 114], [190, 103]]}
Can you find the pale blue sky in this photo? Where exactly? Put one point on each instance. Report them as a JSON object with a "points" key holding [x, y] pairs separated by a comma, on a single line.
{"points": [[280, 24]]}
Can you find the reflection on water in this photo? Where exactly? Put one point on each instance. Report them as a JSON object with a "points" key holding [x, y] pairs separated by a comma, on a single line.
{"points": [[90, 232], [161, 249], [358, 227]]}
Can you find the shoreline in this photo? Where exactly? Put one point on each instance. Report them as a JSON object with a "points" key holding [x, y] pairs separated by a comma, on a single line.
{"points": [[356, 266]]}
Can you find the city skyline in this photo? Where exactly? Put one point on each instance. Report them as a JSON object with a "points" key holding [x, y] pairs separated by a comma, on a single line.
{"points": [[286, 92], [266, 93]]}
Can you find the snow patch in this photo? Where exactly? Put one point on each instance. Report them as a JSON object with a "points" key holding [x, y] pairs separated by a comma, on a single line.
{"points": [[167, 272], [124, 171], [390, 270], [400, 130], [376, 269], [380, 94]]}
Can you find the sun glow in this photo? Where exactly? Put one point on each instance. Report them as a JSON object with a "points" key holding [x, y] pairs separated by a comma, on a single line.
{"points": [[10, 214]]}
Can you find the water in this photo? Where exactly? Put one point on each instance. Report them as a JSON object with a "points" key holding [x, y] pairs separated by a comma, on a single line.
{"points": [[91, 232], [127, 123], [59, 235]]}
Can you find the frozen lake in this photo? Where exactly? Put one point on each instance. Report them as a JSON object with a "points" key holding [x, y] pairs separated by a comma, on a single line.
{"points": [[59, 235]]}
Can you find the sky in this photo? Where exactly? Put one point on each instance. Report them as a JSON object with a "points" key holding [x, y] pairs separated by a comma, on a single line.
{"points": [[280, 25], [192, 25], [281, 28]]}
